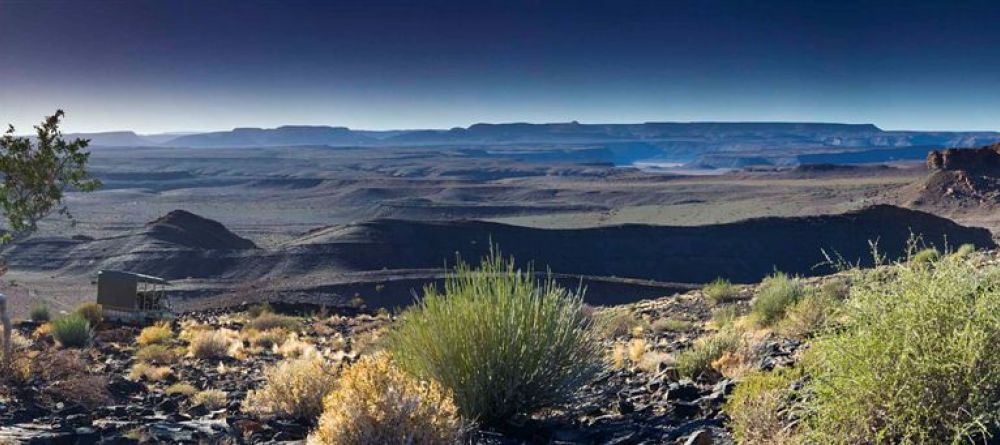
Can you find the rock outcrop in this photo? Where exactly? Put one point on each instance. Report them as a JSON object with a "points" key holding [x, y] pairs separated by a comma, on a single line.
{"points": [[961, 177], [981, 160]]}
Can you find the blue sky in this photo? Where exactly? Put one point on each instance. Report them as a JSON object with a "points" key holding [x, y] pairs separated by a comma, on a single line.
{"points": [[184, 65]]}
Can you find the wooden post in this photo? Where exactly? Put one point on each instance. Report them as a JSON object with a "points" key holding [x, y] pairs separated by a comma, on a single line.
{"points": [[5, 320]]}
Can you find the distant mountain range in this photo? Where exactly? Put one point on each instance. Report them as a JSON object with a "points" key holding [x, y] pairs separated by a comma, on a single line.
{"points": [[709, 143]]}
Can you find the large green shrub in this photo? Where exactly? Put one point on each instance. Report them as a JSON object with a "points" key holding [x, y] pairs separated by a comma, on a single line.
{"points": [[777, 292], [499, 340], [915, 360], [72, 331]]}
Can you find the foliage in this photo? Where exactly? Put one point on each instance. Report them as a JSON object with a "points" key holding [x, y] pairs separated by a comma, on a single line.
{"points": [[502, 342], [40, 313], [376, 403], [915, 361], [146, 371], [210, 344], [181, 388], [259, 309], [157, 354], [269, 320], [777, 292], [93, 312], [211, 399], [813, 313], [697, 360], [266, 339], [926, 256], [725, 316], [38, 171], [759, 410], [293, 389], [617, 322], [72, 331], [159, 333], [720, 290]]}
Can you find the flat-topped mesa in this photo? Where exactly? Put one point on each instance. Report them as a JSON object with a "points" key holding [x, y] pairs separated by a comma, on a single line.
{"points": [[983, 159]]}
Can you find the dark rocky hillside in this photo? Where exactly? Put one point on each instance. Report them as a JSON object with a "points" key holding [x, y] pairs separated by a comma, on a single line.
{"points": [[183, 245]]}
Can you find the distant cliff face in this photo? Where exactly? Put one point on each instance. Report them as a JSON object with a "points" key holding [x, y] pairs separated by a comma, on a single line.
{"points": [[980, 160]]}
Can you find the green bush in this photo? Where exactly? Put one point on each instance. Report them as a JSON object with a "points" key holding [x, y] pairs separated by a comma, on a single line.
{"points": [[812, 314], [720, 291], [697, 360], [915, 361], [92, 312], [760, 408], [926, 256], [725, 316], [499, 340], [777, 292], [965, 250], [72, 331], [269, 320], [40, 313]]}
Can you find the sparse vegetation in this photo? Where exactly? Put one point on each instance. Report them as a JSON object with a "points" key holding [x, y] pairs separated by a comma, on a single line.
{"points": [[376, 403], [671, 325], [293, 389], [776, 294], [211, 399], [810, 315], [145, 371], [720, 290], [697, 360], [269, 320], [181, 388], [759, 408], [92, 312], [159, 333], [157, 354], [266, 339], [40, 313], [724, 316], [501, 342], [209, 344], [617, 322], [72, 331]]}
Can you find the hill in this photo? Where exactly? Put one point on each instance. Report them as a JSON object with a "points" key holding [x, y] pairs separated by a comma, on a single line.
{"points": [[960, 178], [181, 245]]}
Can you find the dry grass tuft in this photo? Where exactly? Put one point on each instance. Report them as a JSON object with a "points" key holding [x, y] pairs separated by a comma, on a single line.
{"points": [[182, 388], [293, 389], [211, 344], [145, 371], [211, 399], [157, 334]]}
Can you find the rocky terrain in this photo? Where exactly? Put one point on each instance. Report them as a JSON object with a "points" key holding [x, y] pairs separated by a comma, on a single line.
{"points": [[966, 177], [640, 399]]}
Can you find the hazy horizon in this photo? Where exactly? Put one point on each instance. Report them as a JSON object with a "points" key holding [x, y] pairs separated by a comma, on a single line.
{"points": [[155, 66]]}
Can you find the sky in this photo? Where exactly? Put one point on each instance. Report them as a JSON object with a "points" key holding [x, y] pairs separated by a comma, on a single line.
{"points": [[197, 65]]}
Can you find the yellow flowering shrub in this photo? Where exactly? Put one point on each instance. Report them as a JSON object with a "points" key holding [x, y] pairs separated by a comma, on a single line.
{"points": [[375, 402]]}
